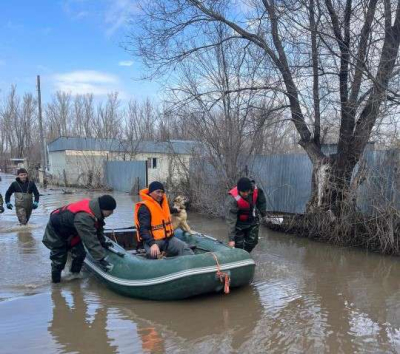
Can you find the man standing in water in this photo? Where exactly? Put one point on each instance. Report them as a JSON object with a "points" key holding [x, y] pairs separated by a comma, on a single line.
{"points": [[243, 205], [23, 188], [75, 226]]}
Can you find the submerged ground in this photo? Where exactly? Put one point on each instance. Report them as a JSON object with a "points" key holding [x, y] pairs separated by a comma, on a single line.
{"points": [[306, 297]]}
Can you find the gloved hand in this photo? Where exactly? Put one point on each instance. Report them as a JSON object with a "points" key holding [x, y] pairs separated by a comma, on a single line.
{"points": [[1, 209], [107, 244], [105, 266], [9, 206], [35, 205]]}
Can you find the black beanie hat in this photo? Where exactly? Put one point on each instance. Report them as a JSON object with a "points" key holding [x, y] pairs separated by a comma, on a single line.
{"points": [[244, 185], [107, 202], [155, 186], [21, 170]]}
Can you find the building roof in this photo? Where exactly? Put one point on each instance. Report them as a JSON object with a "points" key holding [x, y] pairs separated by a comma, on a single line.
{"points": [[115, 145]]}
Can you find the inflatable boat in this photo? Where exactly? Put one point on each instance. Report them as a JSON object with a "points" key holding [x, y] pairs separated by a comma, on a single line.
{"points": [[215, 267]]}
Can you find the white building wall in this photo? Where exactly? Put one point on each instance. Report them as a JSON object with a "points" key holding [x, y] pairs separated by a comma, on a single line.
{"points": [[57, 164], [81, 167], [78, 165], [86, 167], [167, 166]]}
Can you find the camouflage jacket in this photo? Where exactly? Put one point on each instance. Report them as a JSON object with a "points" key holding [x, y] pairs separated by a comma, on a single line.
{"points": [[231, 216]]}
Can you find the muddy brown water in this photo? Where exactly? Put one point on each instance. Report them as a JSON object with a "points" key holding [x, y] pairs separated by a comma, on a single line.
{"points": [[306, 297]]}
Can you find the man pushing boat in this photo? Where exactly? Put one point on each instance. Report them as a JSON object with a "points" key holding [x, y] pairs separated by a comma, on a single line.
{"points": [[75, 226], [153, 224]]}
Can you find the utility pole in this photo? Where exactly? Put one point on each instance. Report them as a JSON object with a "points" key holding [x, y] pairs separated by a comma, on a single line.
{"points": [[42, 141]]}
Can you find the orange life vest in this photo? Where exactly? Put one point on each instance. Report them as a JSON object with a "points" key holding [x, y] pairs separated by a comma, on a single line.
{"points": [[245, 209], [161, 225]]}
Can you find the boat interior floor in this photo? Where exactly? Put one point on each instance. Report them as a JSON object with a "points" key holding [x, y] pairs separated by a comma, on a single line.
{"points": [[142, 252]]}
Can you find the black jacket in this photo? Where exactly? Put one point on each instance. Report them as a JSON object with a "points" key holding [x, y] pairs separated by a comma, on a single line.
{"points": [[22, 187], [144, 218]]}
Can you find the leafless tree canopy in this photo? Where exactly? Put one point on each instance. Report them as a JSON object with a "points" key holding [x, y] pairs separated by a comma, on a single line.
{"points": [[333, 63], [67, 115]]}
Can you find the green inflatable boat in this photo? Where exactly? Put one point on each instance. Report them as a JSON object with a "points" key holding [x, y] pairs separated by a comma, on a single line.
{"points": [[215, 267]]}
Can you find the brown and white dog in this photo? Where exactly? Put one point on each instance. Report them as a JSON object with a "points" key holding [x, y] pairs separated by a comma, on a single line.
{"points": [[179, 216]]}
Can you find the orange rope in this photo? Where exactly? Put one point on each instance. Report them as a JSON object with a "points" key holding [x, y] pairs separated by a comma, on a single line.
{"points": [[223, 277]]}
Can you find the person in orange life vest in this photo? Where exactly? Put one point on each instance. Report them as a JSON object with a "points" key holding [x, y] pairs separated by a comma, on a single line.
{"points": [[74, 226], [153, 224], [243, 206]]}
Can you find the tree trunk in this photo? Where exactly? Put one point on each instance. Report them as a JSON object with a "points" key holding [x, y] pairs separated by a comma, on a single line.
{"points": [[332, 189]]}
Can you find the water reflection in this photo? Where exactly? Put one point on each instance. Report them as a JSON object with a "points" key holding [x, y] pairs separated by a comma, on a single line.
{"points": [[308, 297], [26, 242], [152, 341], [209, 324], [73, 328], [88, 319], [327, 299]]}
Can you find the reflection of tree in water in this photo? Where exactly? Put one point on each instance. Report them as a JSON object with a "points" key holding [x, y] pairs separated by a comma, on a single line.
{"points": [[354, 288], [71, 327], [322, 298]]}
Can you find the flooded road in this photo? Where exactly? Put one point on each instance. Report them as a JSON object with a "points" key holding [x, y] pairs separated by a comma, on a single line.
{"points": [[306, 298]]}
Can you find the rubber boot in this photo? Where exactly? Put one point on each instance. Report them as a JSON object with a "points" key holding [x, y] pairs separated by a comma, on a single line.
{"points": [[76, 266], [56, 276]]}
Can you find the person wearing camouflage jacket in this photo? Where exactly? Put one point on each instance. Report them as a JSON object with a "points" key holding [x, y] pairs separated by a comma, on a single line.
{"points": [[73, 228], [244, 205]]}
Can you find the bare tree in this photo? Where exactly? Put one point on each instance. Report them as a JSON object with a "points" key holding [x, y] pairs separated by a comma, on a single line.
{"points": [[10, 116], [108, 118], [26, 130], [332, 58], [88, 115], [18, 126], [230, 122], [18, 123], [58, 114]]}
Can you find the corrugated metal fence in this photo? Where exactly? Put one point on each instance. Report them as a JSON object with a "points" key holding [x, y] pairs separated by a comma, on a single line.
{"points": [[286, 180], [382, 185], [125, 176]]}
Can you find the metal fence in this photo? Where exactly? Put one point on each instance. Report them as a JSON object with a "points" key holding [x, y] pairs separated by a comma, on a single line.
{"points": [[125, 176], [381, 188], [286, 180]]}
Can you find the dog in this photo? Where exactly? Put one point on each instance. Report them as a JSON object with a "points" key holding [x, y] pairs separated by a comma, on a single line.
{"points": [[179, 214]]}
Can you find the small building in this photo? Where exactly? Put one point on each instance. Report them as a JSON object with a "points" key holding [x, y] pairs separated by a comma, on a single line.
{"points": [[82, 161], [15, 163]]}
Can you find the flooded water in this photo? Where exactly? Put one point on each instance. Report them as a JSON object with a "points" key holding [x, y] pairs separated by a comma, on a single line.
{"points": [[307, 297]]}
